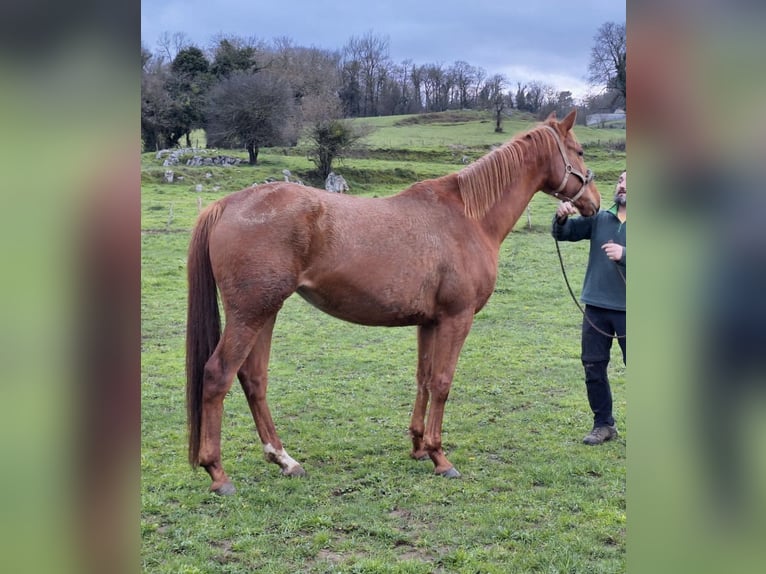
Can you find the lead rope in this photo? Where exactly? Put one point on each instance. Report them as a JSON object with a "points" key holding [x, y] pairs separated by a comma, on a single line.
{"points": [[574, 297]]}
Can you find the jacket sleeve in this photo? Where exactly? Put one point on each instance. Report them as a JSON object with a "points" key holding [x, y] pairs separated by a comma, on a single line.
{"points": [[573, 229], [622, 261]]}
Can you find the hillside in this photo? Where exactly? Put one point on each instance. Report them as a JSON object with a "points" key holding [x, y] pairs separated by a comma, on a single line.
{"points": [[399, 151]]}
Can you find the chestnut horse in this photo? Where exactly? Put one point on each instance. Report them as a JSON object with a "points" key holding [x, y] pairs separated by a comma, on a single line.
{"points": [[426, 256]]}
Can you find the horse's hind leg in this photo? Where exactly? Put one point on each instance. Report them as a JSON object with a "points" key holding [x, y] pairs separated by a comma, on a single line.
{"points": [[253, 376], [425, 362], [220, 370]]}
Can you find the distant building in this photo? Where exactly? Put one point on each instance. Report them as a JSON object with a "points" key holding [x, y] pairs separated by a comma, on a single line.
{"points": [[602, 119]]}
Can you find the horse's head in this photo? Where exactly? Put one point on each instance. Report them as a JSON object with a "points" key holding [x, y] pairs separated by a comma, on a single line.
{"points": [[569, 179]]}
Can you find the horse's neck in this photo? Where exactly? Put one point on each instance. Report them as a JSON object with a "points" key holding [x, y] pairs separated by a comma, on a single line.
{"points": [[517, 194], [500, 219]]}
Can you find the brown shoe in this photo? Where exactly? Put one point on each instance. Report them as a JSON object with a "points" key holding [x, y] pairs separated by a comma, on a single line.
{"points": [[600, 435]]}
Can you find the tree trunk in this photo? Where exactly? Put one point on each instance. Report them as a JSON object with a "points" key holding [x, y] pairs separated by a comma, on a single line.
{"points": [[252, 152], [151, 141], [325, 163]]}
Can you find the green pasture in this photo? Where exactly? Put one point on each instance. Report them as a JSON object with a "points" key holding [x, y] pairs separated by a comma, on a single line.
{"points": [[532, 498], [421, 146]]}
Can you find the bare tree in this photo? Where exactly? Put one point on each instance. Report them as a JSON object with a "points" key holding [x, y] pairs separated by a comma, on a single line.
{"points": [[434, 81], [331, 136], [416, 79], [396, 95], [537, 95], [156, 102], [559, 102], [308, 70], [366, 63], [608, 59], [251, 111], [464, 75], [170, 44], [495, 98], [375, 63], [478, 85]]}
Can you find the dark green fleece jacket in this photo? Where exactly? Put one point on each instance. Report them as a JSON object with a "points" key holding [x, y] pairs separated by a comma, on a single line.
{"points": [[604, 284]]}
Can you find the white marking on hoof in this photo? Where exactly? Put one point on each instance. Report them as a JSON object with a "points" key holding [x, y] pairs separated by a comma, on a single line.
{"points": [[288, 464]]}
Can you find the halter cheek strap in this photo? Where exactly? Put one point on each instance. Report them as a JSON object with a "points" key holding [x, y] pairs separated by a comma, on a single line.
{"points": [[568, 170]]}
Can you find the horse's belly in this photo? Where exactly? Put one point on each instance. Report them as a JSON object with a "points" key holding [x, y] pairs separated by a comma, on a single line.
{"points": [[365, 309]]}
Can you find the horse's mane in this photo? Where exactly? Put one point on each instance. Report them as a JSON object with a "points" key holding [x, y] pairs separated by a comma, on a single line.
{"points": [[482, 183]]}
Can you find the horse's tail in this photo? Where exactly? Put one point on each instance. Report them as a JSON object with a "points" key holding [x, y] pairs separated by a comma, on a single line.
{"points": [[203, 322]]}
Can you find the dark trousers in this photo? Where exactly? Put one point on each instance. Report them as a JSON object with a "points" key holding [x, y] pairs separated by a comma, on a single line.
{"points": [[596, 352]]}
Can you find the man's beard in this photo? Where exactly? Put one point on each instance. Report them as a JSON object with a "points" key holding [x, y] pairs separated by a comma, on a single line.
{"points": [[620, 199]]}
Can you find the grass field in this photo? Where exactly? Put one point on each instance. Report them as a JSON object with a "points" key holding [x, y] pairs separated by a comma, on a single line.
{"points": [[532, 498]]}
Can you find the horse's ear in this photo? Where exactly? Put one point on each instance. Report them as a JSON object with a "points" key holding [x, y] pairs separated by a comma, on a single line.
{"points": [[567, 123], [551, 116]]}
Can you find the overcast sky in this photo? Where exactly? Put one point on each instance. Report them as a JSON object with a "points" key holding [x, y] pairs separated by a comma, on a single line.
{"points": [[531, 40]]}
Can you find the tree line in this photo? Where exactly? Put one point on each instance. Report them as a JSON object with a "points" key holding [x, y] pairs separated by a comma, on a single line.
{"points": [[250, 93]]}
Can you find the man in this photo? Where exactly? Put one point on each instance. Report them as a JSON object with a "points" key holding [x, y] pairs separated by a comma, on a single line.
{"points": [[603, 293]]}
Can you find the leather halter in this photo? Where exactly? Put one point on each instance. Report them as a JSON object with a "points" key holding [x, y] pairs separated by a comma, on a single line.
{"points": [[568, 169]]}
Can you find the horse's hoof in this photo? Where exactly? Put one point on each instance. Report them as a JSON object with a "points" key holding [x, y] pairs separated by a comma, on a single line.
{"points": [[451, 472], [296, 471], [419, 454], [226, 489]]}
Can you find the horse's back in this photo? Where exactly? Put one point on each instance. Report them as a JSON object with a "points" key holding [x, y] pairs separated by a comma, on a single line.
{"points": [[298, 216]]}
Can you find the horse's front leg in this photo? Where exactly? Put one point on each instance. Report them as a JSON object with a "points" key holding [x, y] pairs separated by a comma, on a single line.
{"points": [[446, 342], [253, 376]]}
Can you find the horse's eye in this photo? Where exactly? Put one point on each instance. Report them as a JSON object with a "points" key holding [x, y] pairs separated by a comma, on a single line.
{"points": [[579, 152]]}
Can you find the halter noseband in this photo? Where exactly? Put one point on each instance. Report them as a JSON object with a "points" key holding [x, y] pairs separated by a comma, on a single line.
{"points": [[568, 169]]}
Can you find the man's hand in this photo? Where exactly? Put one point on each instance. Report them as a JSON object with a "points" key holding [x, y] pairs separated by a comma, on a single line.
{"points": [[564, 210], [613, 250]]}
